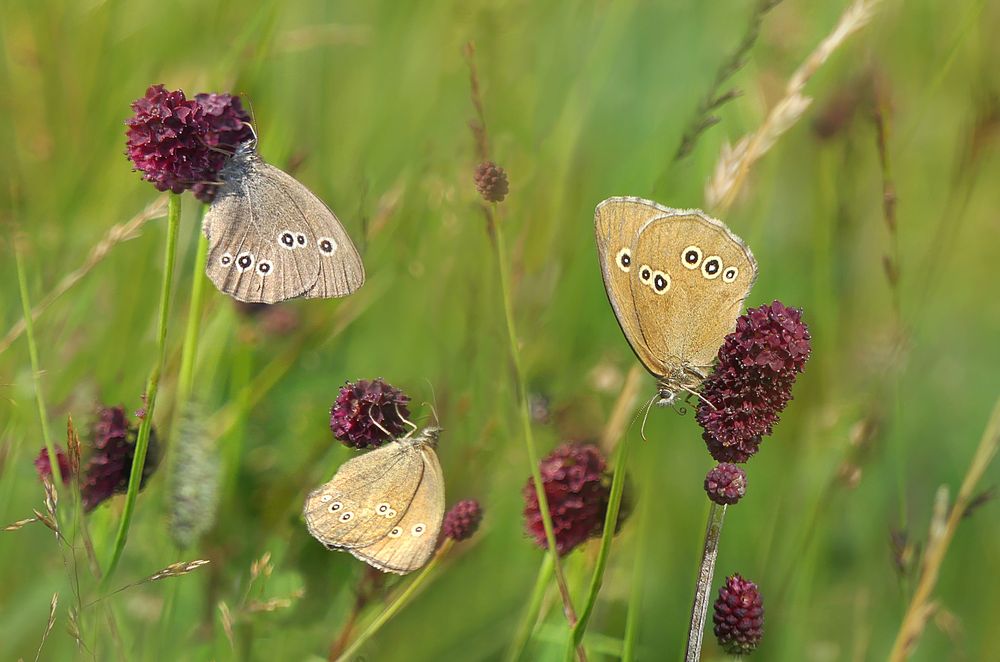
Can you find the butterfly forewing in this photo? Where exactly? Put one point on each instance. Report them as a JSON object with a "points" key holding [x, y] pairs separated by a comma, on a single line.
{"points": [[366, 498], [411, 542], [616, 224], [691, 278]]}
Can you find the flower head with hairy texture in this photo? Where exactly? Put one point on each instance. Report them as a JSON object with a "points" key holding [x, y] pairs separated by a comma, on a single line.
{"points": [[365, 410], [752, 381], [726, 484], [577, 487], [491, 181], [462, 521], [109, 465], [181, 144], [739, 616], [44, 467]]}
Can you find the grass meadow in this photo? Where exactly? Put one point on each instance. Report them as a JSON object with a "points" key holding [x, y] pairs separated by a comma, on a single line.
{"points": [[369, 104]]}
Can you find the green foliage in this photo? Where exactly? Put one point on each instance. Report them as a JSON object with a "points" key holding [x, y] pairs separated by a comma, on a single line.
{"points": [[370, 102]]}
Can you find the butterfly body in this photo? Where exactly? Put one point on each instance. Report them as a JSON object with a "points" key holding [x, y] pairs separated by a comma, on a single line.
{"points": [[677, 280], [271, 239], [384, 507]]}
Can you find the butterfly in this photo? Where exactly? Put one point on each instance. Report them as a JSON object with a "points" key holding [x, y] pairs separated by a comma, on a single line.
{"points": [[385, 507], [677, 280], [271, 239]]}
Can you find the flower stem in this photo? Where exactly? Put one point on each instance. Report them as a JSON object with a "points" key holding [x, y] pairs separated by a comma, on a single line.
{"points": [[610, 525], [29, 330], [525, 415], [397, 604], [189, 352], [530, 615], [703, 589], [142, 441]]}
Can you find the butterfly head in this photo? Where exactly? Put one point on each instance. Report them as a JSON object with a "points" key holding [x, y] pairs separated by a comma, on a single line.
{"points": [[428, 436]]}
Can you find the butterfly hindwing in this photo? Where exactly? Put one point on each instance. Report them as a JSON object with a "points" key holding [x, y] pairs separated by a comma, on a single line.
{"points": [[340, 269], [366, 498], [271, 239], [411, 542], [692, 276]]}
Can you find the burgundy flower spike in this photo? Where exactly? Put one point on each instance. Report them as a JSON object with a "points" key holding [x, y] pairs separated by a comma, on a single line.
{"points": [[752, 381], [110, 463], [181, 144], [577, 488], [739, 616]]}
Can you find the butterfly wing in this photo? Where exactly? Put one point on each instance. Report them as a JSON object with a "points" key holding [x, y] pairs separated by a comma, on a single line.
{"points": [[616, 224], [341, 271], [691, 278], [410, 543], [366, 498], [271, 239]]}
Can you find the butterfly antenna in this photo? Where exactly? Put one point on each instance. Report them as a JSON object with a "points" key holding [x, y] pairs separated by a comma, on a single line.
{"points": [[253, 116], [405, 420], [699, 396], [649, 405], [380, 426], [433, 403]]}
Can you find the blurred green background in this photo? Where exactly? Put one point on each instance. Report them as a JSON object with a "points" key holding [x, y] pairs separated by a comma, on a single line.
{"points": [[369, 104]]}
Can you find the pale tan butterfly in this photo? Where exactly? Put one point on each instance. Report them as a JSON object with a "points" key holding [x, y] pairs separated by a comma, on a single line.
{"points": [[270, 239], [385, 507], [677, 280]]}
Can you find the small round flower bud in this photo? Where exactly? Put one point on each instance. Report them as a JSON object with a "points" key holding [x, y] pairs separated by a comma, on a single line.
{"points": [[726, 484], [462, 520], [362, 407], [44, 467], [491, 181], [739, 616]]}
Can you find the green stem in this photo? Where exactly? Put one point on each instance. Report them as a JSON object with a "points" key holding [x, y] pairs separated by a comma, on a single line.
{"points": [[610, 525], [185, 379], [525, 412], [396, 606], [703, 589], [29, 331], [530, 615], [638, 575], [142, 442]]}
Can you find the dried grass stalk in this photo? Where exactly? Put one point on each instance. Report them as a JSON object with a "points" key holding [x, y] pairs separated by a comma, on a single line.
{"points": [[735, 160], [48, 628]]}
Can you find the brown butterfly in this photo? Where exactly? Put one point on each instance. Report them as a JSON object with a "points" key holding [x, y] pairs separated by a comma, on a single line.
{"points": [[385, 507], [677, 280]]}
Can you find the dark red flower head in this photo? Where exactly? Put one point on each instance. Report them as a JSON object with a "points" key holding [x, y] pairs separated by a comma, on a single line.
{"points": [[577, 488], [726, 484], [491, 181], [109, 465], [739, 616], [181, 144], [752, 381], [361, 405], [462, 520], [44, 467]]}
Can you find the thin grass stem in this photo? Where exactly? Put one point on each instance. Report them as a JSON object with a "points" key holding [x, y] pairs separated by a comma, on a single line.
{"points": [[142, 441], [525, 415], [396, 605], [530, 616], [36, 374], [703, 588], [610, 526]]}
